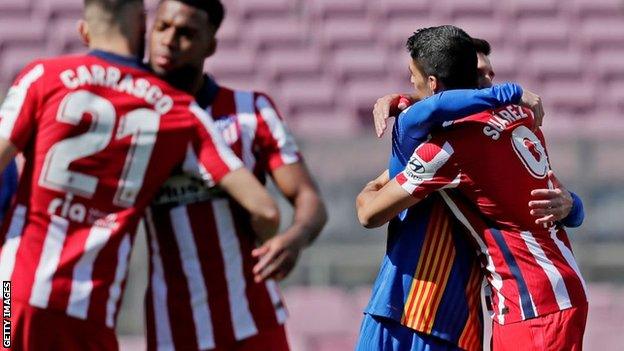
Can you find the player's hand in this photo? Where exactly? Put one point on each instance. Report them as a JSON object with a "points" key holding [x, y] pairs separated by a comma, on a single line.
{"points": [[550, 205], [385, 107], [277, 257], [534, 102]]}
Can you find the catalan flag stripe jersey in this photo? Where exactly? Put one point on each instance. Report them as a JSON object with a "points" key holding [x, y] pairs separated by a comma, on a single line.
{"points": [[429, 278]]}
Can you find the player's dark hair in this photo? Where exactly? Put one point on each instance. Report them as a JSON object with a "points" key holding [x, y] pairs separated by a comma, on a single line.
{"points": [[447, 53], [482, 46], [214, 9]]}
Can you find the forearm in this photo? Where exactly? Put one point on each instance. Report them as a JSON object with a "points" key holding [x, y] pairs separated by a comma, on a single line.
{"points": [[309, 217]]}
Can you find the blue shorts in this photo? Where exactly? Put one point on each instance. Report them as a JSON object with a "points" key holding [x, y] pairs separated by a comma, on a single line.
{"points": [[380, 333]]}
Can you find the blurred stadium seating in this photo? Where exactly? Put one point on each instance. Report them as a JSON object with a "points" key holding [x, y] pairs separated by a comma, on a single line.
{"points": [[325, 62]]}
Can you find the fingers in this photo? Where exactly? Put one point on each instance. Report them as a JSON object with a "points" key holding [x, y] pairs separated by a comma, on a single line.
{"points": [[260, 251], [544, 204], [273, 268], [546, 193], [381, 112], [545, 220], [266, 259]]}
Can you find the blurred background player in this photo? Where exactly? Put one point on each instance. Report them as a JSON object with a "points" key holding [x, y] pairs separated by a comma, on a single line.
{"points": [[531, 268], [211, 288], [90, 127]]}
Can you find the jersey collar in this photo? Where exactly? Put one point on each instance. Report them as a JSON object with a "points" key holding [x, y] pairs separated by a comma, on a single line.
{"points": [[131, 61], [207, 93]]}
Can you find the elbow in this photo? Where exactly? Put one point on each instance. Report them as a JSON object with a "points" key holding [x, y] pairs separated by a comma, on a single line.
{"points": [[367, 220], [270, 215]]}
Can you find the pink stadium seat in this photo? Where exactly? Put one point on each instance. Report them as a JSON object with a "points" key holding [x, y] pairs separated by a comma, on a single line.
{"points": [[392, 9], [345, 33], [598, 8], [528, 8], [354, 63], [59, 8], [315, 95], [505, 63], [267, 33], [548, 63], [547, 32], [14, 6], [265, 8], [596, 33], [22, 31], [615, 96], [569, 96], [333, 8], [609, 64], [396, 32], [456, 9], [279, 64], [232, 64], [229, 34], [493, 31]]}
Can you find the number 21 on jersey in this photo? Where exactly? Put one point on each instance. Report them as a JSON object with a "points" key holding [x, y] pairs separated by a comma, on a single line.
{"points": [[141, 124]]}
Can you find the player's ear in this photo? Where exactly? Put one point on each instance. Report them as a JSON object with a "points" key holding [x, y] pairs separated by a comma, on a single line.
{"points": [[83, 31], [433, 83]]}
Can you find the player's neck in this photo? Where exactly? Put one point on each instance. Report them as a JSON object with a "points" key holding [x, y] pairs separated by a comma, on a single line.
{"points": [[115, 45]]}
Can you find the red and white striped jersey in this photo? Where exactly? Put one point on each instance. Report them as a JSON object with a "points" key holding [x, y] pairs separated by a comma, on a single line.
{"points": [[91, 127], [485, 167], [201, 291]]}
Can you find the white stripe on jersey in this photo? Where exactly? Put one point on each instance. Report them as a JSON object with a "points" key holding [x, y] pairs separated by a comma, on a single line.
{"points": [[430, 169], [242, 320], [82, 279], [48, 263], [114, 293], [194, 277], [280, 311], [569, 257], [248, 123], [192, 166], [285, 141], [226, 154], [555, 278], [164, 339], [14, 101], [497, 281], [13, 238]]}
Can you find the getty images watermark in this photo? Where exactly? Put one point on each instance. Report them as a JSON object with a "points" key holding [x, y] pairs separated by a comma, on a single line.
{"points": [[6, 314]]}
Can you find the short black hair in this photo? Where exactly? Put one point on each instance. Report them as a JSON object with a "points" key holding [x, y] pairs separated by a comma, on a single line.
{"points": [[447, 53], [214, 9], [482, 46]]}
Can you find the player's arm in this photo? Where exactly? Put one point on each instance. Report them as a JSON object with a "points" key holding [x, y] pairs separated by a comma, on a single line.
{"points": [[18, 113], [277, 256], [277, 152], [378, 203], [245, 189], [557, 204], [430, 168]]}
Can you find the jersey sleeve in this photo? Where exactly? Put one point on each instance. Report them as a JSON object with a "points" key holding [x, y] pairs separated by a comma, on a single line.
{"points": [[432, 167], [19, 109], [208, 155], [275, 144], [417, 120]]}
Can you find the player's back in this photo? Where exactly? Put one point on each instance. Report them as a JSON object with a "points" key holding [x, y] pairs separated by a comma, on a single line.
{"points": [[495, 160], [99, 134]]}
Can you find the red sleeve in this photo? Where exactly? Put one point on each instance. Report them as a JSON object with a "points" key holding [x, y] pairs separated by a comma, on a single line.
{"points": [[208, 156], [276, 145], [432, 167], [19, 109]]}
